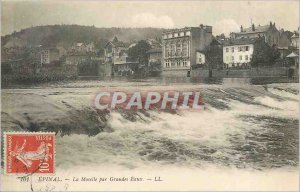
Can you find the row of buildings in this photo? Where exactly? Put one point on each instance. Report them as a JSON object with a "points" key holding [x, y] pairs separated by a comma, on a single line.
{"points": [[176, 52], [182, 48]]}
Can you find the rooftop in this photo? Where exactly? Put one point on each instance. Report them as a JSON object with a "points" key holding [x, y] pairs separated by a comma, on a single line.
{"points": [[243, 41], [155, 50], [256, 29], [187, 28]]}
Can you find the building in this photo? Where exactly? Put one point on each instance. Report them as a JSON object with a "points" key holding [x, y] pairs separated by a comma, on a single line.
{"points": [[295, 40], [154, 55], [238, 52], [200, 58], [284, 39], [49, 55], [154, 43], [269, 32], [154, 61], [76, 58], [116, 55], [82, 47], [284, 43], [180, 47]]}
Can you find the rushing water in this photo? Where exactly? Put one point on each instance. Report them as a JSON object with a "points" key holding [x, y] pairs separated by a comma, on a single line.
{"points": [[242, 126]]}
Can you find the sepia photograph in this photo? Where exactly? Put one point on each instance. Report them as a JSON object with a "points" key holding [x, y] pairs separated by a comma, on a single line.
{"points": [[132, 95]]}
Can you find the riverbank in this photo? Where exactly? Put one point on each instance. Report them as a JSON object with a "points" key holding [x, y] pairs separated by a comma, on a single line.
{"points": [[243, 73]]}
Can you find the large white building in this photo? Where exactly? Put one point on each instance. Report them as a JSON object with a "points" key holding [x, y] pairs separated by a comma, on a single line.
{"points": [[238, 52], [182, 48]]}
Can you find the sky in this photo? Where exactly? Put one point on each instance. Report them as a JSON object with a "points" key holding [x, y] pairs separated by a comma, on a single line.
{"points": [[224, 16]]}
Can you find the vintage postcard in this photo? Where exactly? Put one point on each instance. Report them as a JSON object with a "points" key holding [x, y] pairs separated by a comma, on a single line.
{"points": [[149, 95]]}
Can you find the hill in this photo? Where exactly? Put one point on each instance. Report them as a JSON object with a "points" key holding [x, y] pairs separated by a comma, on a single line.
{"points": [[65, 35]]}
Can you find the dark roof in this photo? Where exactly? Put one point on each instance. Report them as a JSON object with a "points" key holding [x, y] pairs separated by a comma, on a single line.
{"points": [[200, 51], [186, 28], [243, 41], [155, 50], [116, 43], [257, 29], [216, 41]]}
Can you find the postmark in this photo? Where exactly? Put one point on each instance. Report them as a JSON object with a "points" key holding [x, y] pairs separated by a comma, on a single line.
{"points": [[29, 152]]}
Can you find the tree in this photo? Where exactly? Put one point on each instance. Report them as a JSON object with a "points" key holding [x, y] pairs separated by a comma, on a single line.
{"points": [[263, 54], [214, 55], [139, 52]]}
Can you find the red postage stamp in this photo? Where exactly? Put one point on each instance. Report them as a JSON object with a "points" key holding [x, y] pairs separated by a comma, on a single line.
{"points": [[29, 152]]}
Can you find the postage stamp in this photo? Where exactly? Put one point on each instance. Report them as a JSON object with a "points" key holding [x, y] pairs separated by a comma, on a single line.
{"points": [[28, 152]]}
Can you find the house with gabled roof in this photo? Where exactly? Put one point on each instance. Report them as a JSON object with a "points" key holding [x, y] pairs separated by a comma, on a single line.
{"points": [[269, 32], [116, 55]]}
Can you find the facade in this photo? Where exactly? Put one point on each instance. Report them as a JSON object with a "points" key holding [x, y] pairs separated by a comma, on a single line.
{"points": [[284, 39], [180, 47], [269, 32], [77, 58], [154, 61], [82, 47], [49, 55], [295, 40], [116, 55], [154, 55], [200, 58], [238, 52]]}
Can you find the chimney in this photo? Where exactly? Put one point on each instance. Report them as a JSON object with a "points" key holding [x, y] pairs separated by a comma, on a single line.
{"points": [[274, 24], [253, 27], [241, 28], [270, 23]]}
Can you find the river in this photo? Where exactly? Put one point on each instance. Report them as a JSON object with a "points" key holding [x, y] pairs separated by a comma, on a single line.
{"points": [[245, 126]]}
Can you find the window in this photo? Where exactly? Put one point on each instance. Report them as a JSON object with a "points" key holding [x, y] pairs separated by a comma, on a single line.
{"points": [[184, 63], [170, 35], [241, 57], [227, 49], [173, 49], [178, 49], [185, 49], [232, 49], [247, 48], [240, 49], [168, 50], [175, 34], [178, 63], [232, 58], [167, 64], [200, 60], [246, 57], [188, 33], [181, 34]]}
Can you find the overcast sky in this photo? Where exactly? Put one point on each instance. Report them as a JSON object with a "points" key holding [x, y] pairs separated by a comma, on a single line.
{"points": [[224, 16]]}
